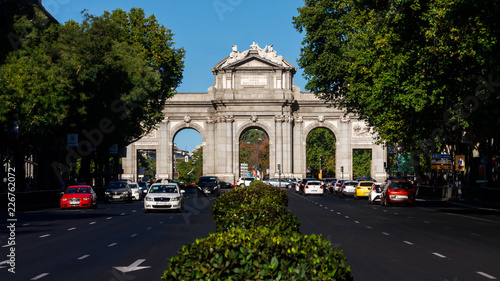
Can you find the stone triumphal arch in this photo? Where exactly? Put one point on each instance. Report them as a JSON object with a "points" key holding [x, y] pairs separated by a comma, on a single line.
{"points": [[254, 89]]}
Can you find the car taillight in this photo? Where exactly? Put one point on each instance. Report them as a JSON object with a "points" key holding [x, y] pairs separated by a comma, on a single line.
{"points": [[307, 186], [321, 187]]}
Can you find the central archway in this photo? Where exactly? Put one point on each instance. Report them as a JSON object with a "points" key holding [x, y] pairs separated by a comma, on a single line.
{"points": [[254, 153]]}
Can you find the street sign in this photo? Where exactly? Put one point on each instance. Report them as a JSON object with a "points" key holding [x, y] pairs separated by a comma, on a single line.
{"points": [[441, 162], [460, 163], [404, 163]]}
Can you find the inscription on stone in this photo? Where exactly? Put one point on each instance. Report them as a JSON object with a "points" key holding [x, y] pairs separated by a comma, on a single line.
{"points": [[253, 80]]}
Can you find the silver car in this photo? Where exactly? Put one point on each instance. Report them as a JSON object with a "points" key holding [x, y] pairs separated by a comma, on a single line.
{"points": [[348, 188]]}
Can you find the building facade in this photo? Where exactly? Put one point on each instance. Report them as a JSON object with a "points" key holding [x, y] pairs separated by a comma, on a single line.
{"points": [[254, 89]]}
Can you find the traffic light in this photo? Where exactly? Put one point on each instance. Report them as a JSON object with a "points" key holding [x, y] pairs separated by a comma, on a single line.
{"points": [[260, 167], [385, 165], [342, 169]]}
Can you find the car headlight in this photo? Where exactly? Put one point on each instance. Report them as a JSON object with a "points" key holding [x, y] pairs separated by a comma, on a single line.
{"points": [[64, 199], [176, 199], [106, 192], [149, 199], [86, 198]]}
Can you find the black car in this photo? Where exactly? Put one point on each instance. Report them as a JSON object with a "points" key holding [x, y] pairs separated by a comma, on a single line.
{"points": [[209, 185], [118, 191]]}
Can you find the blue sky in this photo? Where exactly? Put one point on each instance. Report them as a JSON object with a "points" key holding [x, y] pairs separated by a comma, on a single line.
{"points": [[207, 29]]}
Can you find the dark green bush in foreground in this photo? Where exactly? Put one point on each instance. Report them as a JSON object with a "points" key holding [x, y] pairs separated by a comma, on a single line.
{"points": [[260, 254]]}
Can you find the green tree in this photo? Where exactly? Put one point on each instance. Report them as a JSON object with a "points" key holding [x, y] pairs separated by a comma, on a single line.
{"points": [[320, 142], [420, 72], [190, 172], [106, 79], [361, 163]]}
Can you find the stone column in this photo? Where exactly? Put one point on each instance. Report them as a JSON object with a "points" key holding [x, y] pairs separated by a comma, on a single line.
{"points": [[278, 122], [164, 165], [344, 150], [209, 155], [129, 163], [299, 162]]}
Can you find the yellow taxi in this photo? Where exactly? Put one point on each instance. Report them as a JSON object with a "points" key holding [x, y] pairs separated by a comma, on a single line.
{"points": [[363, 189]]}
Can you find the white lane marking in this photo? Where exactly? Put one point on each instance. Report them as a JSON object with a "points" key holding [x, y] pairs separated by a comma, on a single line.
{"points": [[92, 222], [72, 228], [112, 244], [133, 235], [439, 255], [39, 276], [346, 217], [26, 224], [408, 242], [486, 275], [108, 218], [369, 227], [83, 257], [122, 214], [356, 221], [385, 233], [338, 213], [133, 211], [149, 228], [43, 236], [475, 234]]}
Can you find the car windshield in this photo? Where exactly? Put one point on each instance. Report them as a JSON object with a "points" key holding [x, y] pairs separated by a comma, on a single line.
{"points": [[77, 190], [313, 183], [401, 185], [365, 183], [117, 185], [163, 189], [134, 185], [351, 183], [208, 180]]}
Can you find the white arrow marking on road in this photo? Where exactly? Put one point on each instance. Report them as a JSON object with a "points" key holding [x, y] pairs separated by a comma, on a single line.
{"points": [[133, 267]]}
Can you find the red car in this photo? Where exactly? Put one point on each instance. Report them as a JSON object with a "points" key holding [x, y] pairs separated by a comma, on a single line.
{"points": [[398, 191], [79, 196]]}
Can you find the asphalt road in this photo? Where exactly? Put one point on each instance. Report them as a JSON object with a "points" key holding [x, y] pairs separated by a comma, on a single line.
{"points": [[431, 241], [114, 242]]}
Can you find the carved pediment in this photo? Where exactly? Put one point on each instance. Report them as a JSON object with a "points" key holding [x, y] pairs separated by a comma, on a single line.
{"points": [[254, 63]]}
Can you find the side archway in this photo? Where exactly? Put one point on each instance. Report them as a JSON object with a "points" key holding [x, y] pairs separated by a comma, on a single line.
{"points": [[320, 150]]}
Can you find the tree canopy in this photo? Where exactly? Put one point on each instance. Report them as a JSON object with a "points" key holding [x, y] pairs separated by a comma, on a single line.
{"points": [[105, 79], [419, 72]]}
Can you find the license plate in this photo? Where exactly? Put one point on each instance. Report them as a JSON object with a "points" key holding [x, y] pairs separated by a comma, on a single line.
{"points": [[116, 196], [401, 196], [366, 193]]}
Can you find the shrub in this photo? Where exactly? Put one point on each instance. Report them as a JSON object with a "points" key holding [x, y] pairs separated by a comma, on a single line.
{"points": [[245, 195], [257, 213], [260, 254]]}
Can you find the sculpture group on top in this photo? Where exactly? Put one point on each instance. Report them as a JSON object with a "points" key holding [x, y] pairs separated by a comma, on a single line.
{"points": [[267, 53]]}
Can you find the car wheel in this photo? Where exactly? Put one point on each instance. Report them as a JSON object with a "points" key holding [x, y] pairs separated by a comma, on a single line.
{"points": [[181, 209], [242, 185], [146, 211]]}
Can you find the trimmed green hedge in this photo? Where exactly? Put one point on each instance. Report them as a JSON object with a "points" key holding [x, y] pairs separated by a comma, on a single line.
{"points": [[260, 254], [262, 212]]}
